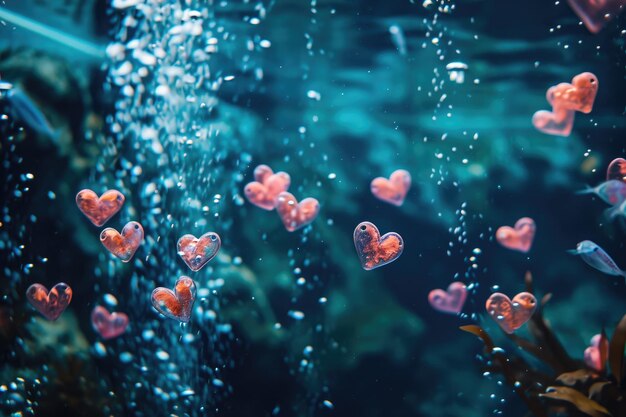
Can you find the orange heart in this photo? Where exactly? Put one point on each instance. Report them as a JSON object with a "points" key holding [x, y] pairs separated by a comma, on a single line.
{"points": [[264, 191], [578, 96], [123, 245], [511, 315], [176, 304], [374, 250], [519, 238], [99, 209], [50, 304], [197, 252], [296, 215], [394, 189]]}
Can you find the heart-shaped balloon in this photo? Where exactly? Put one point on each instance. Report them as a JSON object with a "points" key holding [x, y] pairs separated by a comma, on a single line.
{"points": [[559, 122], [598, 349], [123, 245], [296, 215], [197, 252], [50, 304], [99, 209], [450, 301], [519, 238], [108, 325], [394, 189], [375, 250], [511, 315], [176, 304], [595, 13], [616, 170], [578, 96], [264, 191]]}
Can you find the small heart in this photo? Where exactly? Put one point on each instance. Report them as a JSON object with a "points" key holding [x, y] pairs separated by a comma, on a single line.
{"points": [[519, 238], [595, 13], [450, 301], [123, 245], [296, 215], [264, 191], [50, 304], [616, 170], [197, 252], [375, 250], [108, 325], [559, 123], [577, 96], [598, 349], [394, 189], [176, 304], [99, 209], [511, 315]]}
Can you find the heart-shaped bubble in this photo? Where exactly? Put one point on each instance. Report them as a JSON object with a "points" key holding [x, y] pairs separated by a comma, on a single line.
{"points": [[375, 250], [296, 215], [577, 96], [519, 238], [596, 13], [616, 170], [264, 191], [108, 325], [597, 353], [176, 304], [511, 315], [50, 304], [394, 189], [559, 123], [99, 209], [197, 252], [123, 245], [449, 301]]}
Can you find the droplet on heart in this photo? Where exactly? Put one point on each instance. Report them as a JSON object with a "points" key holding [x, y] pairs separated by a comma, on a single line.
{"points": [[197, 252], [125, 244]]}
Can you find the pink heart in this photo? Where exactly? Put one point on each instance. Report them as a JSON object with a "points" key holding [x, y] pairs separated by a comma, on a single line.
{"points": [[593, 354], [616, 170], [578, 96], [176, 304], [375, 250], [123, 245], [99, 209], [264, 191], [296, 215], [449, 301], [559, 123], [595, 13], [197, 252], [394, 189], [511, 315], [519, 238], [50, 304], [108, 325]]}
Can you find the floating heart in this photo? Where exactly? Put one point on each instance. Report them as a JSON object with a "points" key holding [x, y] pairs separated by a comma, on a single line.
{"points": [[99, 209], [264, 191], [375, 250], [108, 325], [595, 13], [519, 238], [197, 252], [616, 170], [50, 304], [559, 123], [450, 301], [123, 245], [579, 95], [511, 315], [176, 304], [296, 215], [394, 189], [596, 352]]}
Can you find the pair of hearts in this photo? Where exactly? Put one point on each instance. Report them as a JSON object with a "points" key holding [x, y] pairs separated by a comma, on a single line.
{"points": [[511, 314], [108, 325], [394, 189], [176, 304], [375, 250], [595, 13], [451, 300], [50, 303], [518, 238], [597, 353], [197, 252]]}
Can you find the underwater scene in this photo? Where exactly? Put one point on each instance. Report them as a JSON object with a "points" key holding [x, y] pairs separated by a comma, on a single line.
{"points": [[313, 208]]}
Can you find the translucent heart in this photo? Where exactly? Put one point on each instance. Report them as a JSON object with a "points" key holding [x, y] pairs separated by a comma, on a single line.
{"points": [[197, 252], [375, 250], [296, 215], [50, 304], [394, 189], [267, 186], [578, 96], [123, 245], [511, 315], [176, 304], [520, 237], [449, 301], [108, 325], [99, 209]]}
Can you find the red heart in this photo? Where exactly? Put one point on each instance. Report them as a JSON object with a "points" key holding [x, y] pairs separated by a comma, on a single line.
{"points": [[595, 13], [450, 301], [99, 209], [374, 250], [108, 325], [264, 191], [599, 348], [50, 304], [511, 315], [176, 304], [197, 252], [519, 238], [296, 215], [558, 123], [123, 245], [616, 170], [394, 189], [579, 95]]}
